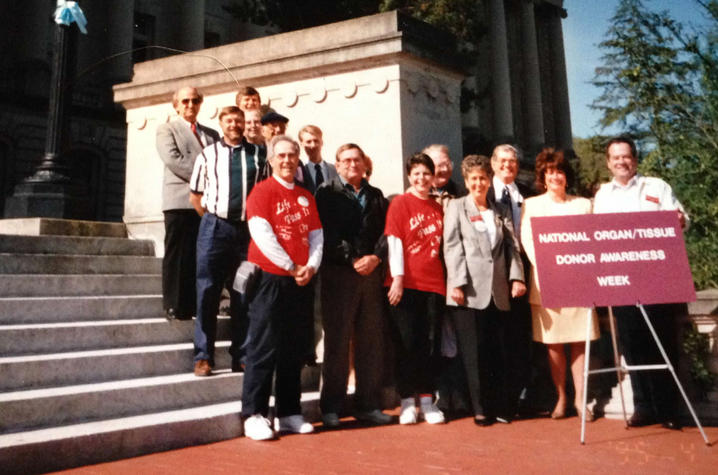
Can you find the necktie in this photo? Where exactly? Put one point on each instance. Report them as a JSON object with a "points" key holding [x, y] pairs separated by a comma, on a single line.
{"points": [[505, 197], [318, 177], [193, 126]]}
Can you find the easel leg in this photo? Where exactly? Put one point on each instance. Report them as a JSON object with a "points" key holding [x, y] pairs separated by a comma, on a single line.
{"points": [[617, 363], [586, 358], [670, 368]]}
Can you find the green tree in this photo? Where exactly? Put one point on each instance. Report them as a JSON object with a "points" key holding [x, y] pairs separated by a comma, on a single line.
{"points": [[660, 83], [591, 164]]}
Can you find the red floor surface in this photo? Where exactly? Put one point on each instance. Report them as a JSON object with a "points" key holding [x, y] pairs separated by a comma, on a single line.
{"points": [[528, 446]]}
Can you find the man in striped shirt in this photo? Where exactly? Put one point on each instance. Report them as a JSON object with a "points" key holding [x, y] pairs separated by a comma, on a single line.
{"points": [[224, 174]]}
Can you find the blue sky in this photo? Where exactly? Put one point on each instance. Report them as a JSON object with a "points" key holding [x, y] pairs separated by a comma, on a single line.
{"points": [[583, 30]]}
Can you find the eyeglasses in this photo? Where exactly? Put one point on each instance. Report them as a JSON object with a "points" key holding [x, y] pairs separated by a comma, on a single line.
{"points": [[194, 100]]}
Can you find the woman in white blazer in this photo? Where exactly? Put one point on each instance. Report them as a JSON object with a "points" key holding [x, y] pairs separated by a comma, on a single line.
{"points": [[484, 270]]}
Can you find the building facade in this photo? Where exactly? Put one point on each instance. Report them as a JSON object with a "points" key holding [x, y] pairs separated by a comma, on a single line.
{"points": [[520, 84]]}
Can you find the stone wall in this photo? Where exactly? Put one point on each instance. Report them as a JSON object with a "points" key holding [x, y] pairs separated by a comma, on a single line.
{"points": [[380, 81]]}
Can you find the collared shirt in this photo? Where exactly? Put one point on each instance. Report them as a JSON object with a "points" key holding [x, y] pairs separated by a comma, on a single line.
{"points": [[212, 176], [516, 201], [641, 193], [311, 166], [359, 195], [202, 135]]}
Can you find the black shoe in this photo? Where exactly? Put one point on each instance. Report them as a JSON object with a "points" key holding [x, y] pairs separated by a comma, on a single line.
{"points": [[672, 424], [640, 420], [237, 366], [482, 421], [171, 314]]}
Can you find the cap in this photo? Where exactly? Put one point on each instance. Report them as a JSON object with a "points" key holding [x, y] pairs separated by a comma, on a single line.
{"points": [[272, 116]]}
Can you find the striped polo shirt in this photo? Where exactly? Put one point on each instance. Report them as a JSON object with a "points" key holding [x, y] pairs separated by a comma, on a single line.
{"points": [[225, 175]]}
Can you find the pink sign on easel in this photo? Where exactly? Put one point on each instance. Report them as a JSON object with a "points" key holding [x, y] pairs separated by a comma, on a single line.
{"points": [[611, 259]]}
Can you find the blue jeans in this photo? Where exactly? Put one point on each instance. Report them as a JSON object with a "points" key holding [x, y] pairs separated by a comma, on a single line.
{"points": [[221, 247]]}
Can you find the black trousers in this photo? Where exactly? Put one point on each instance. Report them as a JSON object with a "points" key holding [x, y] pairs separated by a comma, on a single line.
{"points": [[179, 262], [352, 307], [518, 339], [276, 312], [654, 391], [482, 337], [416, 325]]}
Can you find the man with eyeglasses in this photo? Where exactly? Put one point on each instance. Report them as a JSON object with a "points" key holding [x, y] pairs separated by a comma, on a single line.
{"points": [[506, 192], [178, 144], [353, 214]]}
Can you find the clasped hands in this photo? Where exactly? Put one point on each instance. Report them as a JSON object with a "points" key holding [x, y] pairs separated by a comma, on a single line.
{"points": [[302, 274]]}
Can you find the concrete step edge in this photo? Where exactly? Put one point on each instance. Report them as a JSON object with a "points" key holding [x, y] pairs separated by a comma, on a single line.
{"points": [[52, 285], [50, 245], [25, 410], [110, 386], [104, 352], [102, 441], [77, 297]]}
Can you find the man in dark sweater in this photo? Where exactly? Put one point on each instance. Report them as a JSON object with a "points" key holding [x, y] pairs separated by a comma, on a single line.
{"points": [[353, 214]]}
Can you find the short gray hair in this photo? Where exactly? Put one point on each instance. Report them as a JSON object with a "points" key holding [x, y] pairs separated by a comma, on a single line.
{"points": [[282, 138], [506, 148]]}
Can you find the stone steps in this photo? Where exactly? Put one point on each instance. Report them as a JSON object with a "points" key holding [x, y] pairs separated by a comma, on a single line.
{"points": [[74, 245], [68, 285], [30, 409], [17, 310], [112, 439], [85, 367], [90, 370], [78, 264], [36, 338]]}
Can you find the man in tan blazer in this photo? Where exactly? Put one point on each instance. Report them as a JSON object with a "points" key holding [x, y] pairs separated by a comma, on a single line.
{"points": [[178, 144]]}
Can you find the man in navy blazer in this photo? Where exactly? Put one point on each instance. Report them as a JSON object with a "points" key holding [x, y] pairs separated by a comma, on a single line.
{"points": [[316, 171], [178, 144]]}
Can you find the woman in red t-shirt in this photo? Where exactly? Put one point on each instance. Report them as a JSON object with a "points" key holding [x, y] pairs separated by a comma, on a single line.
{"points": [[417, 289]]}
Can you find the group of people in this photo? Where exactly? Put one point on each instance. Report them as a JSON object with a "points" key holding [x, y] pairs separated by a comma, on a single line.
{"points": [[445, 275]]}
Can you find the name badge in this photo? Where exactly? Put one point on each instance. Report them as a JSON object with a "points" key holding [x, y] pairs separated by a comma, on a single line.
{"points": [[476, 218]]}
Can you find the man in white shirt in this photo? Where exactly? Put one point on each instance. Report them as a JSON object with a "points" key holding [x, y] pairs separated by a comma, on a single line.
{"points": [[316, 171], [223, 177], [654, 392]]}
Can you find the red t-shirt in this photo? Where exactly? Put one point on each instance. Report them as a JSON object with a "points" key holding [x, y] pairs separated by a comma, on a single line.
{"points": [[292, 214], [419, 224]]}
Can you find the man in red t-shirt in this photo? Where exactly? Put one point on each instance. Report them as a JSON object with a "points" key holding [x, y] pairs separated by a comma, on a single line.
{"points": [[286, 245]]}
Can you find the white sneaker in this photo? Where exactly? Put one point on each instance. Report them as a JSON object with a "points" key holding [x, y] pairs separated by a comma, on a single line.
{"points": [[295, 423], [408, 411], [432, 414], [257, 427]]}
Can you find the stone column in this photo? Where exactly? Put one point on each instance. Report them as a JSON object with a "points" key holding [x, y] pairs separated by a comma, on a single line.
{"points": [[534, 125], [191, 25], [500, 77], [120, 22], [559, 85]]}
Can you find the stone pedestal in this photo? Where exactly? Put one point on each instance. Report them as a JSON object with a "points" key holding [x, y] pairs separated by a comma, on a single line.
{"points": [[384, 82]]}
